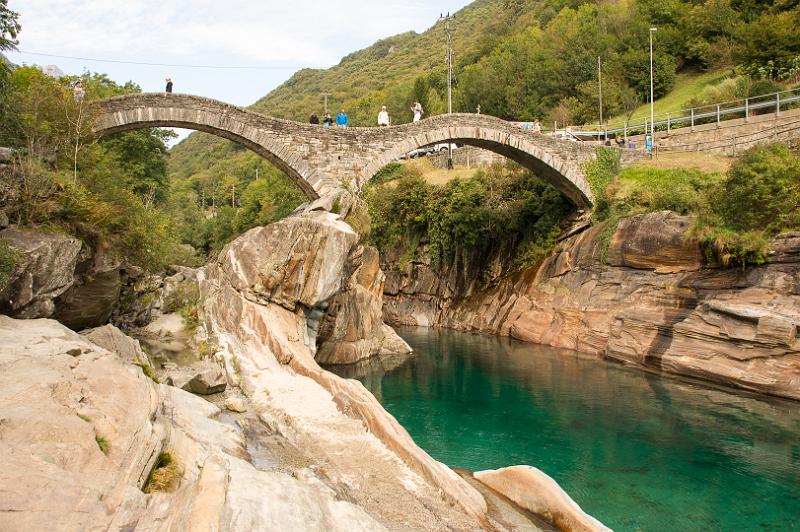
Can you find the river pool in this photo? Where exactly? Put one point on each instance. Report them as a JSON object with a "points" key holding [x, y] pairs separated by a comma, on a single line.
{"points": [[638, 451]]}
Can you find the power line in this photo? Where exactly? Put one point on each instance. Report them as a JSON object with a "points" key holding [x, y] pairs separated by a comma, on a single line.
{"points": [[171, 65]]}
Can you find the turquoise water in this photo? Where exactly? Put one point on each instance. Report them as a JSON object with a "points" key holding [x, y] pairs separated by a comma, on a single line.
{"points": [[637, 451]]}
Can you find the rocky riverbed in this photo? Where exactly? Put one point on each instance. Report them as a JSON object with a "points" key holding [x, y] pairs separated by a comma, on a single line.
{"points": [[653, 302], [90, 439]]}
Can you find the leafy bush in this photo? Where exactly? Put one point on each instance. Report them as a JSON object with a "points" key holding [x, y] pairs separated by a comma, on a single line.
{"points": [[599, 173], [466, 219], [762, 191], [9, 258]]}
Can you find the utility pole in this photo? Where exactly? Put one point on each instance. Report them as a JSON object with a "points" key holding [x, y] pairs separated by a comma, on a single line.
{"points": [[233, 196], [600, 89], [448, 30], [652, 122], [326, 94]]}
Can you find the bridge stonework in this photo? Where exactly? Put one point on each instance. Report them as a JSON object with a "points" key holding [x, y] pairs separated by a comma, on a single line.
{"points": [[325, 160]]}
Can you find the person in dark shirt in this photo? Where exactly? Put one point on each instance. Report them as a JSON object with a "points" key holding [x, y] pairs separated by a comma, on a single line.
{"points": [[328, 120], [168, 90], [314, 119]]}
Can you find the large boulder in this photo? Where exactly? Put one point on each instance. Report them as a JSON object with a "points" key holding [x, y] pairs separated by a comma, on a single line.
{"points": [[94, 293], [45, 269], [353, 328], [536, 492], [656, 241], [82, 430]]}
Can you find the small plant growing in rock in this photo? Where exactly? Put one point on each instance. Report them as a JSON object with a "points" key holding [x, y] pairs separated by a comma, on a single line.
{"points": [[165, 474], [85, 418], [102, 443], [148, 371]]}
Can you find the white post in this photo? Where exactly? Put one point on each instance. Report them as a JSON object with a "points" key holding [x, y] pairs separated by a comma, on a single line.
{"points": [[625, 131], [692, 118], [669, 126], [652, 120], [777, 104], [717, 115], [747, 110]]}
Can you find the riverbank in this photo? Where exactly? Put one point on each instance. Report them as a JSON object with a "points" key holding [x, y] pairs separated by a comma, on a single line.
{"points": [[649, 301]]}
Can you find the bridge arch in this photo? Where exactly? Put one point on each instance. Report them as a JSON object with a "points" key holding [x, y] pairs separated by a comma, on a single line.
{"points": [[324, 161], [558, 162], [248, 129]]}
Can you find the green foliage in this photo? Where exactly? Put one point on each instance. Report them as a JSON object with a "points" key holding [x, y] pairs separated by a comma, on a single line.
{"points": [[9, 258], [9, 27], [166, 474], [85, 418], [599, 173], [109, 194], [185, 301], [467, 218], [769, 45], [762, 191], [149, 372], [736, 214], [102, 443]]}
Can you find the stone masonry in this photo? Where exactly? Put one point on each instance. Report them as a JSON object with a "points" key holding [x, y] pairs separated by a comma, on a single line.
{"points": [[324, 160]]}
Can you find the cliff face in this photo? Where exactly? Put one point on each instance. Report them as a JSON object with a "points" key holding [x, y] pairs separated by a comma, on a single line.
{"points": [[653, 304]]}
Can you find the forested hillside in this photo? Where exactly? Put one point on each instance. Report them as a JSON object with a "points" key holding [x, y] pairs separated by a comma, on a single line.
{"points": [[517, 59]]}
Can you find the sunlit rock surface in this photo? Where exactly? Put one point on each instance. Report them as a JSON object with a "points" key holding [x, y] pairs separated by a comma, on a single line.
{"points": [[653, 304]]}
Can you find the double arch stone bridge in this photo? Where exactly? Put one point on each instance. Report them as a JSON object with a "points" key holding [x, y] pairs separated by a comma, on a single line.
{"points": [[325, 160]]}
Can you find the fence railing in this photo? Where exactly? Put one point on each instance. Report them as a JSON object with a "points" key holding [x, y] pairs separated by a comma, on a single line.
{"points": [[706, 114]]}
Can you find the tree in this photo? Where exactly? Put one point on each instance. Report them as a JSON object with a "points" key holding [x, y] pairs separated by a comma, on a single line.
{"points": [[9, 27]]}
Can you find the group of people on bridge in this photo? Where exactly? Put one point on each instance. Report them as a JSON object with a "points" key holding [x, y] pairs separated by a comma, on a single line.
{"points": [[342, 120]]}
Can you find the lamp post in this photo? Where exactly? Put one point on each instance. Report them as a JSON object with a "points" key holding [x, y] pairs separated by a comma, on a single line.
{"points": [[652, 122], [447, 18]]}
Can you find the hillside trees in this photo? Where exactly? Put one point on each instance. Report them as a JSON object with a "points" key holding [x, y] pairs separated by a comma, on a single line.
{"points": [[107, 193]]}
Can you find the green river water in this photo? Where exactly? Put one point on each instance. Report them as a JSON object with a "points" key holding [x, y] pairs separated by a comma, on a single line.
{"points": [[637, 451]]}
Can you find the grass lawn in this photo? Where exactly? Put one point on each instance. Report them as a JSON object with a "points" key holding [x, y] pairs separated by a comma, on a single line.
{"points": [[707, 162], [687, 86], [438, 176]]}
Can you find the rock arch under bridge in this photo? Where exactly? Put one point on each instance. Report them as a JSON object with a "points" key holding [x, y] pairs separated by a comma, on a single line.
{"points": [[324, 160]]}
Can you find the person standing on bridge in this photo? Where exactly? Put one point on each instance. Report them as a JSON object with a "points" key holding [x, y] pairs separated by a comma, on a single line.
{"points": [[168, 89], [537, 126], [383, 117], [328, 120], [314, 119], [418, 111], [342, 119]]}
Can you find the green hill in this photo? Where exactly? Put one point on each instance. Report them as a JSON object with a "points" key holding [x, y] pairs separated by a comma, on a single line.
{"points": [[519, 60]]}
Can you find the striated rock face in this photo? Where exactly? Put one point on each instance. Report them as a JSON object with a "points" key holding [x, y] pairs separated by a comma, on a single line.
{"points": [[45, 270], [261, 299], [61, 396], [353, 328], [93, 295], [652, 305]]}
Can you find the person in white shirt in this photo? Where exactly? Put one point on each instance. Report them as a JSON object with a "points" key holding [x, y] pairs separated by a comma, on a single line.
{"points": [[418, 111], [383, 117]]}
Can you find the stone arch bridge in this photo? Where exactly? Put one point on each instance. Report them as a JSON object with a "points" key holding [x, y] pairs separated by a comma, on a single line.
{"points": [[324, 160]]}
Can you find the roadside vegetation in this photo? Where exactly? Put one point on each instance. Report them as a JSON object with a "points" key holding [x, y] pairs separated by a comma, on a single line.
{"points": [[737, 212]]}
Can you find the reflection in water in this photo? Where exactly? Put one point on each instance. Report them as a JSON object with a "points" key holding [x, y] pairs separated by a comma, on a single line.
{"points": [[636, 450]]}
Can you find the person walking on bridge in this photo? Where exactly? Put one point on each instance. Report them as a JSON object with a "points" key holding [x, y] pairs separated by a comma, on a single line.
{"points": [[418, 111], [342, 119], [383, 117], [168, 89], [314, 119], [328, 120]]}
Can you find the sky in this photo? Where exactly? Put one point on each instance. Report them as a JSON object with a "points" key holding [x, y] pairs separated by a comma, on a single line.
{"points": [[274, 38]]}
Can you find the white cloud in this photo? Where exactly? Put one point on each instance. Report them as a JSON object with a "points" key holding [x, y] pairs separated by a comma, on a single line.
{"points": [[306, 32]]}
